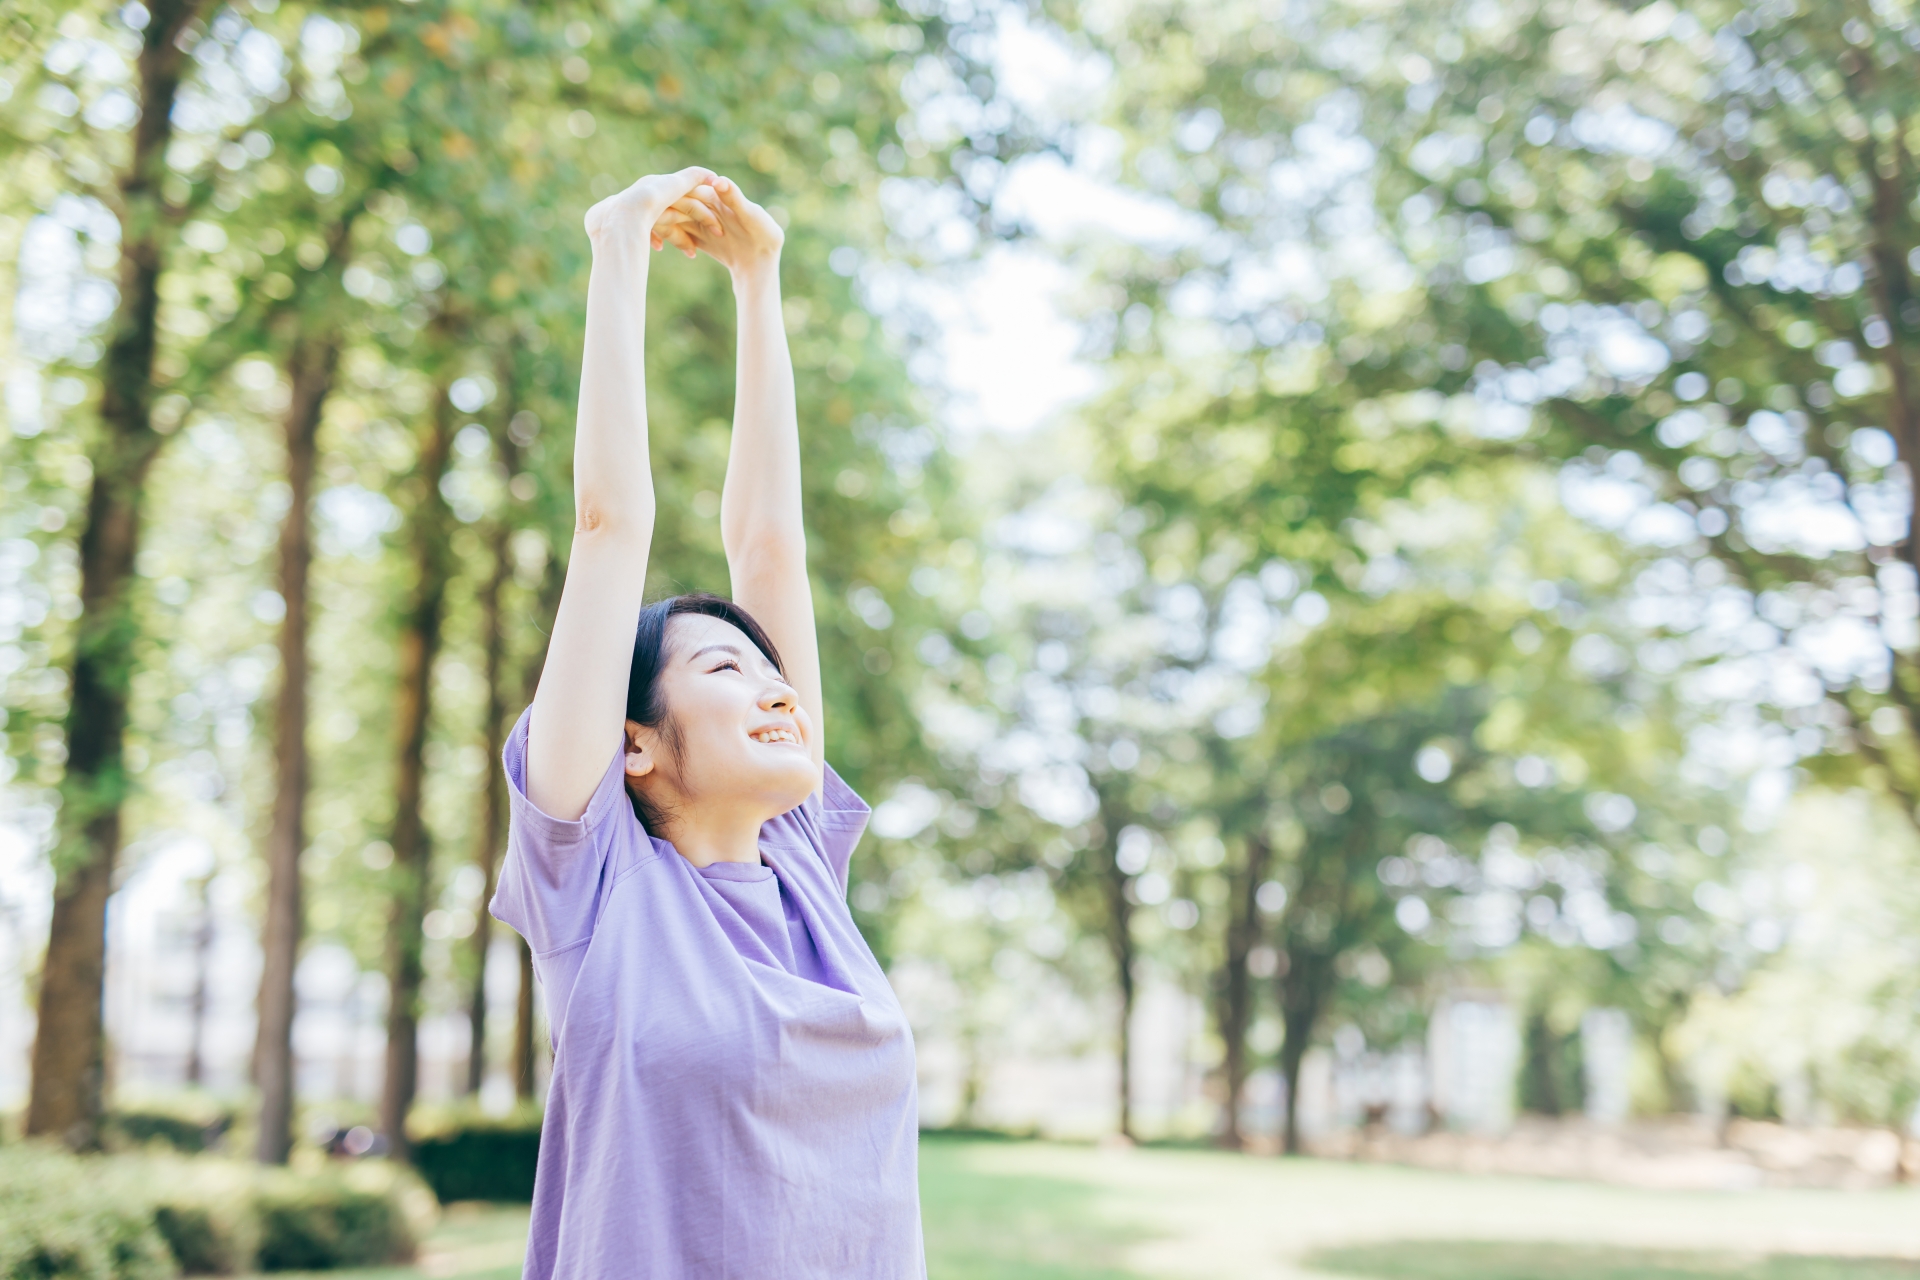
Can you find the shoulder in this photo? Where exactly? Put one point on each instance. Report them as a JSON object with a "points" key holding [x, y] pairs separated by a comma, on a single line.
{"points": [[829, 822], [609, 806]]}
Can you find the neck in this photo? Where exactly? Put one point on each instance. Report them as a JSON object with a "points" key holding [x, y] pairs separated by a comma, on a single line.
{"points": [[706, 834]]}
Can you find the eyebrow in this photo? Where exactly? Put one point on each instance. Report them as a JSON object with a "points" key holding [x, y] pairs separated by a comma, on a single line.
{"points": [[723, 648], [735, 650]]}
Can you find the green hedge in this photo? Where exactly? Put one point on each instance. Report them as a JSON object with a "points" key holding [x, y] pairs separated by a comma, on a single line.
{"points": [[480, 1159], [319, 1225], [185, 1127], [65, 1217]]}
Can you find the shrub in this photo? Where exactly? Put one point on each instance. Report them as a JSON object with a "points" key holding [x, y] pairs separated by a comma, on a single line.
{"points": [[63, 1217], [183, 1127], [204, 1209], [148, 1217], [481, 1159], [201, 1243], [354, 1217]]}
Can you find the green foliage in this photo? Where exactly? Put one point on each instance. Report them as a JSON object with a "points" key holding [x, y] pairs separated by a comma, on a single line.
{"points": [[188, 1128], [401, 186], [223, 1217], [136, 1217], [480, 1159], [68, 1219], [1839, 979], [327, 1223], [1472, 732], [1375, 376]]}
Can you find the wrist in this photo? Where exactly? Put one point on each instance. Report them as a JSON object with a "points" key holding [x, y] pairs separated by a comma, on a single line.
{"points": [[757, 274], [620, 248], [624, 228]]}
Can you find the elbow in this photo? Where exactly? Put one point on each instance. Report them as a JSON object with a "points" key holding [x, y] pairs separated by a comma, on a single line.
{"points": [[600, 521]]}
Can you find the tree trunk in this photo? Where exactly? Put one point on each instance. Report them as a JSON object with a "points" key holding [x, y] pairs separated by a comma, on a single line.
{"points": [[1892, 290], [1302, 995], [429, 527], [973, 1074], [493, 819], [552, 581], [202, 975], [1236, 1002], [66, 1094], [492, 835], [310, 368], [523, 1028], [1120, 945]]}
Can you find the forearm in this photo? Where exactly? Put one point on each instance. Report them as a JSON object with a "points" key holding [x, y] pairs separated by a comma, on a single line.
{"points": [[613, 481], [760, 512]]}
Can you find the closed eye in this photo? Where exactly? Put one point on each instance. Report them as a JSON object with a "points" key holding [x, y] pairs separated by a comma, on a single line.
{"points": [[724, 666]]}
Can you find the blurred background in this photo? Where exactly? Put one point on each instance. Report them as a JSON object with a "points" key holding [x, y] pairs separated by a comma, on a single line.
{"points": [[1362, 555]]}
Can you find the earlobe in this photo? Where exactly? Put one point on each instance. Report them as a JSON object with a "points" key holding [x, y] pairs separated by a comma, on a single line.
{"points": [[639, 761]]}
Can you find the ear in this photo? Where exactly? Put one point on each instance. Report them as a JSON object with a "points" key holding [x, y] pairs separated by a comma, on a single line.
{"points": [[640, 750]]}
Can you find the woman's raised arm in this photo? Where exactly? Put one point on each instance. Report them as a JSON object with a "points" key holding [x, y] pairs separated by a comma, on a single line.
{"points": [[760, 520], [579, 710]]}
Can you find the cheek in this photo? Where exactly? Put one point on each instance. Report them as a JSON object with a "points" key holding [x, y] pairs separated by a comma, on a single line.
{"points": [[712, 716]]}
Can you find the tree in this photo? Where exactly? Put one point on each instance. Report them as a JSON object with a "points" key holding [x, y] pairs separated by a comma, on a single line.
{"points": [[1290, 389], [490, 835], [1719, 188], [311, 366], [1234, 984], [427, 539], [327, 209], [68, 1054]]}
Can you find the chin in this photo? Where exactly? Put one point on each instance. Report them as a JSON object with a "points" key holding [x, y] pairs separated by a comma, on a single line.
{"points": [[786, 784]]}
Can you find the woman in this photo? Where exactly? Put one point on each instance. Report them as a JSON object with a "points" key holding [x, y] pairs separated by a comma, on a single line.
{"points": [[733, 1080]]}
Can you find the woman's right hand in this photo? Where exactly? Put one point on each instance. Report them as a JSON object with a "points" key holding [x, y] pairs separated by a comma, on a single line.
{"points": [[631, 215]]}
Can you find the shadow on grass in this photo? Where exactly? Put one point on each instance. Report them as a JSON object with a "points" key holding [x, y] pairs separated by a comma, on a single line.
{"points": [[1477, 1260], [991, 1226]]}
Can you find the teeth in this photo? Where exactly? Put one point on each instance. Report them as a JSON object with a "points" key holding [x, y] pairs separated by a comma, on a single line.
{"points": [[775, 735]]}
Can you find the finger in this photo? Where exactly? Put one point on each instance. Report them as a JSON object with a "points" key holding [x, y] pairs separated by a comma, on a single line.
{"points": [[707, 203], [736, 199], [726, 200], [697, 211], [691, 211], [684, 239], [689, 178]]}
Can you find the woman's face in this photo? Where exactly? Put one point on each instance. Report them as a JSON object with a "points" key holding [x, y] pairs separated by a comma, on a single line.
{"points": [[742, 736]]}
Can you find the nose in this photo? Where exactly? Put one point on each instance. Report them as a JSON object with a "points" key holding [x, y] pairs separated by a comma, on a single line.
{"points": [[777, 697]]}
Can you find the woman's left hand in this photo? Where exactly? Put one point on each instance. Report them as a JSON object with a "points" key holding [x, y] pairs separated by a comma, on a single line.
{"points": [[727, 227]]}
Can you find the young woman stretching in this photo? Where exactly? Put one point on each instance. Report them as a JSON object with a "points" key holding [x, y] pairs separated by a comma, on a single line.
{"points": [[733, 1080]]}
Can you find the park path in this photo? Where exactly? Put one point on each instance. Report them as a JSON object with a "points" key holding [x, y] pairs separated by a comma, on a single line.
{"points": [[1225, 1217]]}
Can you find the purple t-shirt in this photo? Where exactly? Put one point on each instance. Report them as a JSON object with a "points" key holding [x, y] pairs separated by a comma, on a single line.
{"points": [[733, 1080]]}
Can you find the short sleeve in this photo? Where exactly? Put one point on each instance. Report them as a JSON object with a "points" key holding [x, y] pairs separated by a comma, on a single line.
{"points": [[554, 870], [830, 821]]}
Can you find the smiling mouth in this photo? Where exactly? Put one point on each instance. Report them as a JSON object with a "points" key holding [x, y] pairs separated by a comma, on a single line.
{"points": [[776, 735]]}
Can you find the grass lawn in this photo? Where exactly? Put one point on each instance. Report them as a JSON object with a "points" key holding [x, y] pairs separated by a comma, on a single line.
{"points": [[1471, 1260], [1050, 1211]]}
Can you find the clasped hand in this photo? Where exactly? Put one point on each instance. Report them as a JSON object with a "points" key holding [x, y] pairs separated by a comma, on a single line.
{"points": [[695, 211]]}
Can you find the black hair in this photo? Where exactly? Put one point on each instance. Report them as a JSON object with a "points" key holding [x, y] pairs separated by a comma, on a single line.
{"points": [[645, 704]]}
